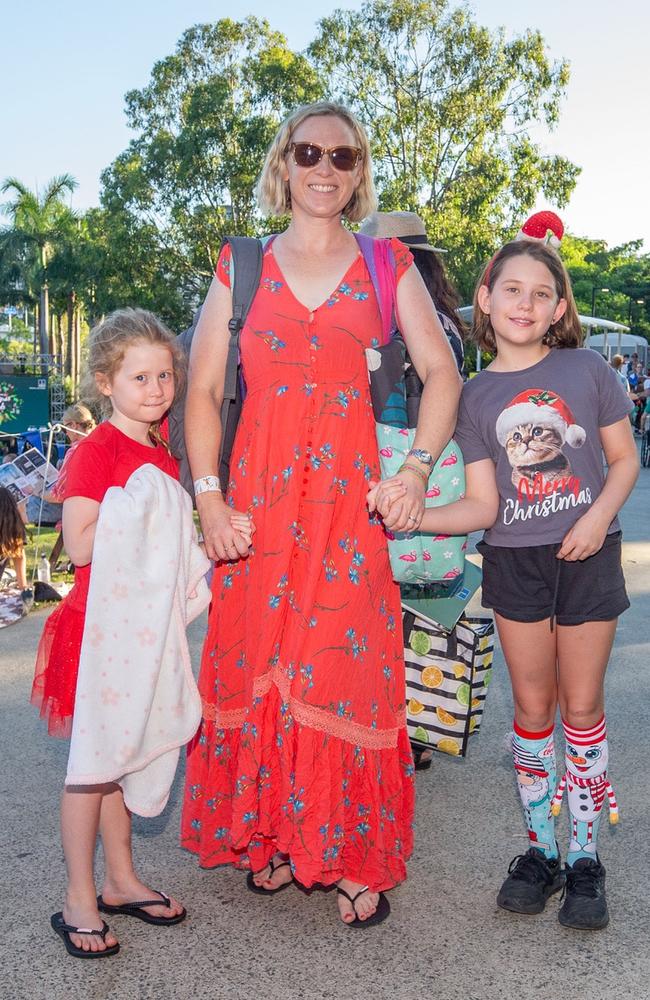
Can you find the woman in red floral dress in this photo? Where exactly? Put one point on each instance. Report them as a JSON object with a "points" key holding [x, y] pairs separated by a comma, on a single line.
{"points": [[302, 767]]}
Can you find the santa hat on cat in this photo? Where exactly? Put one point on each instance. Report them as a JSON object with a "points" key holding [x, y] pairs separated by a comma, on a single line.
{"points": [[543, 227], [541, 407]]}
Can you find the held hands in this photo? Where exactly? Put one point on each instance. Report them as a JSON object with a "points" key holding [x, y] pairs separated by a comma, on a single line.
{"points": [[399, 500], [227, 533], [585, 538]]}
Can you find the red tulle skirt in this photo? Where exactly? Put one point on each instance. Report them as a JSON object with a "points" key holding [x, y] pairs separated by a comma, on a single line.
{"points": [[57, 665]]}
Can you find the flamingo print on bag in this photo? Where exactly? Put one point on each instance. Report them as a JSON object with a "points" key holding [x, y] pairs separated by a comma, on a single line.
{"points": [[409, 556], [386, 452], [450, 459], [433, 491]]}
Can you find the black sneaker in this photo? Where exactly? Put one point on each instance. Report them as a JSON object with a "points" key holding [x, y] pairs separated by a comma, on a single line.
{"points": [[585, 905], [531, 880]]}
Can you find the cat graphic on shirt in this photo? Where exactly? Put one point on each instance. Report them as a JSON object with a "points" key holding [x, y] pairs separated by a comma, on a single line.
{"points": [[534, 429]]}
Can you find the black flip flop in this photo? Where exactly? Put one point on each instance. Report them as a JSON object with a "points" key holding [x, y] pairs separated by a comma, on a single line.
{"points": [[137, 910], [65, 930], [420, 764], [378, 917], [250, 879]]}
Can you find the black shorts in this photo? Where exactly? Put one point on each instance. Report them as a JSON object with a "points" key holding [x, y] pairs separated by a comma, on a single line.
{"points": [[521, 583]]}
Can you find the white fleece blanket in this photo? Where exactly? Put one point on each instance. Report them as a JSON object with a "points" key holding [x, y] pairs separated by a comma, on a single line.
{"points": [[137, 702]]}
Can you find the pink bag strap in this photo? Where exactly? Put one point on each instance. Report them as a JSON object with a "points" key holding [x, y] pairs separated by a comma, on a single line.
{"points": [[380, 261]]}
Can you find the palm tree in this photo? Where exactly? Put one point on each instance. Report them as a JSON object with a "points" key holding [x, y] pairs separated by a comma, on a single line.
{"points": [[39, 222]]}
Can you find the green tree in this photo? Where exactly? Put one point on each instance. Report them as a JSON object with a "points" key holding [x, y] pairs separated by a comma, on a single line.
{"points": [[204, 123], [449, 107], [40, 221], [615, 281]]}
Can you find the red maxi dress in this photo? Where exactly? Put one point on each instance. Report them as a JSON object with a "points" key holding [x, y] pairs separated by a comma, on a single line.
{"points": [[303, 745]]}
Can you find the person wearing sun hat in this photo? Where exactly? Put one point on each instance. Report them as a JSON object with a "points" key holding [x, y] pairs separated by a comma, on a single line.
{"points": [[409, 228]]}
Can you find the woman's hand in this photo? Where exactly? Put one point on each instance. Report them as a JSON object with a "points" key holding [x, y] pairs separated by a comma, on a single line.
{"points": [[227, 533], [400, 501], [381, 495], [585, 538]]}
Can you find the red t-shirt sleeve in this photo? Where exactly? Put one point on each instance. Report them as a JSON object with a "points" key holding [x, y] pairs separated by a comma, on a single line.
{"points": [[88, 472], [403, 258], [222, 270]]}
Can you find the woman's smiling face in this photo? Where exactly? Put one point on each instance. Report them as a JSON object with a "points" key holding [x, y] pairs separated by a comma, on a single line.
{"points": [[322, 191]]}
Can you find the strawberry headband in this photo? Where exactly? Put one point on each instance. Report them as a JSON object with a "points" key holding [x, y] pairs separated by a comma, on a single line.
{"points": [[542, 227]]}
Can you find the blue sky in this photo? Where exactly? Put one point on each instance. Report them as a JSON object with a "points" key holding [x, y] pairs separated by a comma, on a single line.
{"points": [[66, 66]]}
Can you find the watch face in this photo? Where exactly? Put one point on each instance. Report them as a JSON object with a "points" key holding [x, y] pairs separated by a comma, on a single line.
{"points": [[422, 456]]}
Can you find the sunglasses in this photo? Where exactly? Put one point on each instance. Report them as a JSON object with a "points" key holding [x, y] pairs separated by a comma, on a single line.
{"points": [[308, 154]]}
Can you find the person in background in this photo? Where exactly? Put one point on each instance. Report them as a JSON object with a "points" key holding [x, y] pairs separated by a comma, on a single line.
{"points": [[12, 543], [410, 229], [617, 364], [47, 509]]}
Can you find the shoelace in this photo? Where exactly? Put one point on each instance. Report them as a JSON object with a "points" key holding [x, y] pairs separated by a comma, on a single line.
{"points": [[581, 882], [529, 867]]}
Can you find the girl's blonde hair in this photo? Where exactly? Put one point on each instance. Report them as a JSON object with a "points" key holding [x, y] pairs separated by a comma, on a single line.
{"points": [[109, 342], [80, 415], [567, 332], [273, 193]]}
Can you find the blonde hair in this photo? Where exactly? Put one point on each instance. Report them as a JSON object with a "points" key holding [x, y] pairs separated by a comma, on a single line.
{"points": [[79, 414], [567, 332], [617, 361], [273, 193], [109, 342]]}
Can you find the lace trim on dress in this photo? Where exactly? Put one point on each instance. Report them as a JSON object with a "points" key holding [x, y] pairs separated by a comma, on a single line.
{"points": [[307, 715]]}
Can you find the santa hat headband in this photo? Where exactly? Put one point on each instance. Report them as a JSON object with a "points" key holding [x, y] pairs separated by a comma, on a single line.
{"points": [[542, 227], [539, 406]]}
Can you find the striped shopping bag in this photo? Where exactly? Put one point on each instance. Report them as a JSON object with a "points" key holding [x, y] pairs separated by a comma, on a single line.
{"points": [[447, 676]]}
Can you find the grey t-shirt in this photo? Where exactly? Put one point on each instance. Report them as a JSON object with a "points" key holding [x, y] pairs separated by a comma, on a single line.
{"points": [[540, 428]]}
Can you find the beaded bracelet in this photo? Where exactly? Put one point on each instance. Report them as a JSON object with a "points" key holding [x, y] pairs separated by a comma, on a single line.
{"points": [[406, 467]]}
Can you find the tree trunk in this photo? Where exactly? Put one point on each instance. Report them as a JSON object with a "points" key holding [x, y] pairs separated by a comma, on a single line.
{"points": [[69, 354], [43, 320], [77, 350]]}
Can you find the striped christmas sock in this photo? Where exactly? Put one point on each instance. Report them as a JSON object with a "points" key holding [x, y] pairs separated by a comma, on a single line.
{"points": [[586, 779], [534, 757]]}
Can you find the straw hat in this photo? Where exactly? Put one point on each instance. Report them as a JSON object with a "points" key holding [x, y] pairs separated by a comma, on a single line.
{"points": [[406, 226]]}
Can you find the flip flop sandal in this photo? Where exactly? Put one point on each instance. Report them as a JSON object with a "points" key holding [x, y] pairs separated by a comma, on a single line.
{"points": [[378, 917], [250, 879], [65, 930], [137, 910]]}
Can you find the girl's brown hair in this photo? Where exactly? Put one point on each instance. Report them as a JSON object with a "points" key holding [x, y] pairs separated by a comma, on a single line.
{"points": [[273, 193], [12, 529], [567, 332], [109, 342]]}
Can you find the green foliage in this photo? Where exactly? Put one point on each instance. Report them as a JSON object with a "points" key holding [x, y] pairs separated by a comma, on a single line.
{"points": [[623, 271], [204, 121], [448, 105]]}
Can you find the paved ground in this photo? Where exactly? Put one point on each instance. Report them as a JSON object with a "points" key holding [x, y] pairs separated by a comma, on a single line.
{"points": [[446, 938]]}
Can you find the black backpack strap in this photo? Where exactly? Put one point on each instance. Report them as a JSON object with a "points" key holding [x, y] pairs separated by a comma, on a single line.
{"points": [[246, 255]]}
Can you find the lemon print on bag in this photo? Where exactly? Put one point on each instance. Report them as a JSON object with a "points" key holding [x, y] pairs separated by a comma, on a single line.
{"points": [[447, 745], [432, 677], [473, 722], [414, 707], [420, 643], [462, 695], [421, 735], [476, 702], [458, 670], [446, 718]]}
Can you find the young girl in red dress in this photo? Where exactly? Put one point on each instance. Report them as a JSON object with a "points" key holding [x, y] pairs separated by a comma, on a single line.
{"points": [[534, 428], [133, 365]]}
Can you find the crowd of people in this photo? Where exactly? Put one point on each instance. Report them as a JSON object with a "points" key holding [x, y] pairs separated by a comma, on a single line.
{"points": [[300, 771]]}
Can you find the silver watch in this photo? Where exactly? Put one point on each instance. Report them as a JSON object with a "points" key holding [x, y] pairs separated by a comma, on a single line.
{"points": [[422, 456]]}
